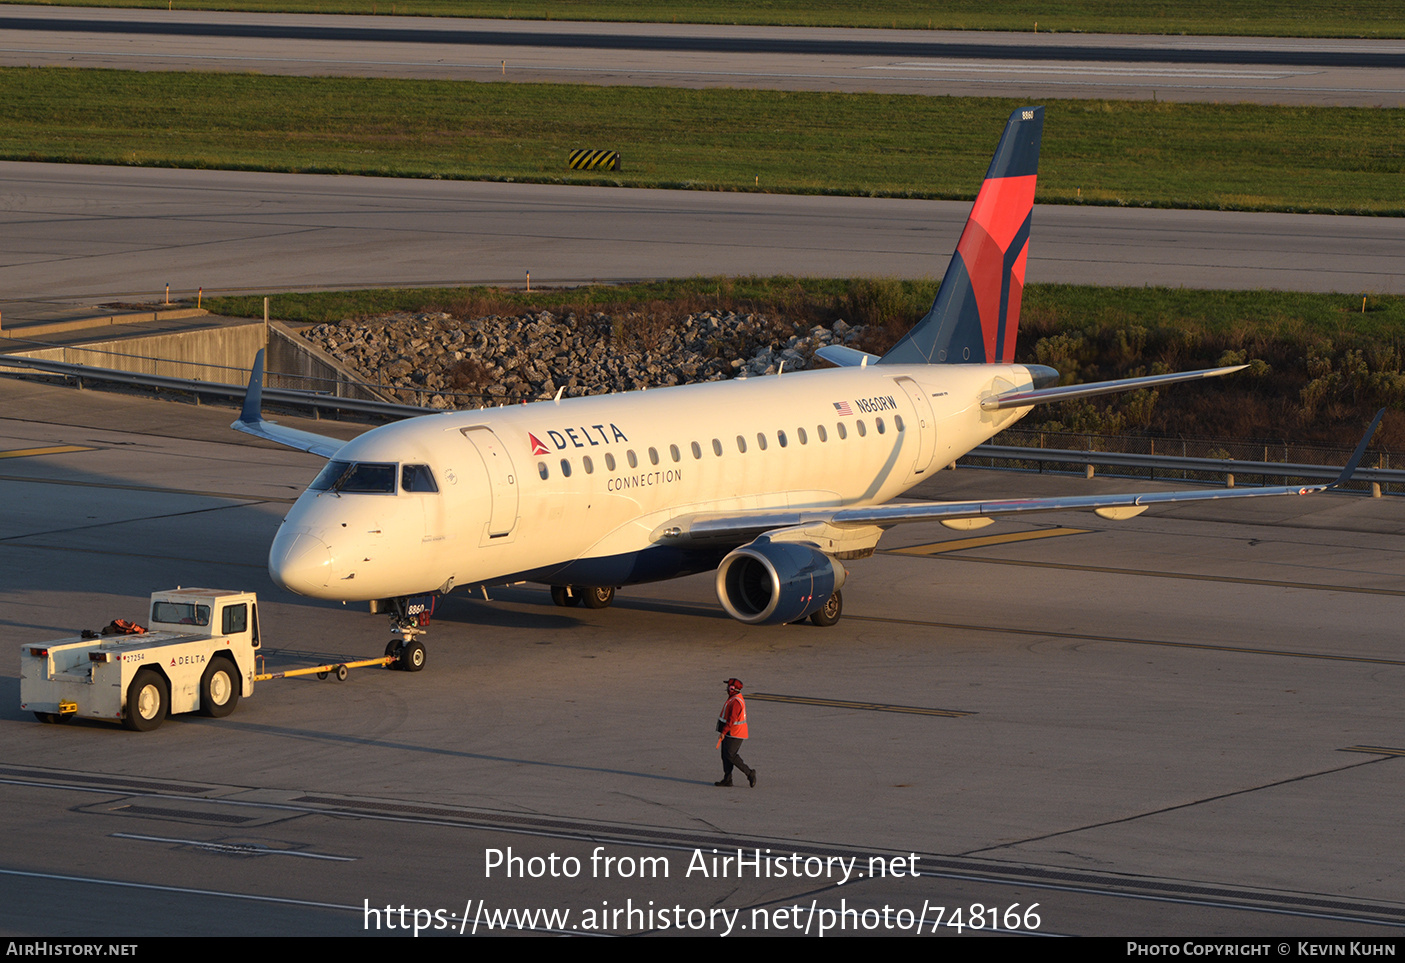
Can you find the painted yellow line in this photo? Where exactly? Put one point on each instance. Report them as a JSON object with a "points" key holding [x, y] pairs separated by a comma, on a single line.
{"points": [[55, 450], [236, 496], [1378, 750], [869, 706], [957, 544]]}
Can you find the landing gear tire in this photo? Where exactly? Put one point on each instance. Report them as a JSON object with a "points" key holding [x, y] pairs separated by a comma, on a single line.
{"points": [[831, 610], [393, 650], [412, 657], [566, 595], [147, 699], [597, 596], [219, 689]]}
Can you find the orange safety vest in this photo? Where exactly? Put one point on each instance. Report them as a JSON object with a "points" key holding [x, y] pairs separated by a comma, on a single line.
{"points": [[733, 718]]}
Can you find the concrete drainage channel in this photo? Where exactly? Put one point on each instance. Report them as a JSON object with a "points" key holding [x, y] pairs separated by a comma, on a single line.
{"points": [[183, 344]]}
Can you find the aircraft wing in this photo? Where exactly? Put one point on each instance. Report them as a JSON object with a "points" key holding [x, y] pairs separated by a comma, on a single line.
{"points": [[251, 421], [719, 527]]}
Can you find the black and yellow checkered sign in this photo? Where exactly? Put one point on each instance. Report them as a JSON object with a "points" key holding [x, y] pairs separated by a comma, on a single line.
{"points": [[604, 160]]}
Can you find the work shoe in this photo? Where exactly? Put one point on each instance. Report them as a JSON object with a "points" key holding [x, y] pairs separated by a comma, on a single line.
{"points": [[751, 778], [725, 781]]}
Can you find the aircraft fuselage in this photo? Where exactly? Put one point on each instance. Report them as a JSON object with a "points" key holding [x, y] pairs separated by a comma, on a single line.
{"points": [[583, 490]]}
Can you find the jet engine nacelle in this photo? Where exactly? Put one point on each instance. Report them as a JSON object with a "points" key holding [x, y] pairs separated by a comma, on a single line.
{"points": [[769, 583]]}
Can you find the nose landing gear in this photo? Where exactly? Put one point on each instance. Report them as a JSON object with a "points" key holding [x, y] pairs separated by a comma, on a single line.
{"points": [[410, 619]]}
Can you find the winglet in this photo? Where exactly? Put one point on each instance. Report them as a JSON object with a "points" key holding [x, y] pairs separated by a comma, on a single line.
{"points": [[251, 421], [1359, 453], [252, 412]]}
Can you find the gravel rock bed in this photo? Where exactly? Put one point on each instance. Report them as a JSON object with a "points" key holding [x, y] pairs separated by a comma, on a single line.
{"points": [[440, 361]]}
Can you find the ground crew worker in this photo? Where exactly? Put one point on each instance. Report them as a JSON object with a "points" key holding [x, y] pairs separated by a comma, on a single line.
{"points": [[731, 726]]}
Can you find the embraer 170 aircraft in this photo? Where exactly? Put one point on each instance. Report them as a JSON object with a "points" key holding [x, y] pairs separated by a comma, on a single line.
{"points": [[776, 482]]}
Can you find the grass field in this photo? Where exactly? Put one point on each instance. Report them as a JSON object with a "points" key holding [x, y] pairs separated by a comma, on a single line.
{"points": [[1286, 18], [1236, 157]]}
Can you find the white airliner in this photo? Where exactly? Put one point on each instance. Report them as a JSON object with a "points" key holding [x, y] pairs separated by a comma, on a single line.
{"points": [[775, 482]]}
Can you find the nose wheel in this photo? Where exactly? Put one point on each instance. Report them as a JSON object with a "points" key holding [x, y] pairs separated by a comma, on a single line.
{"points": [[407, 651], [409, 656]]}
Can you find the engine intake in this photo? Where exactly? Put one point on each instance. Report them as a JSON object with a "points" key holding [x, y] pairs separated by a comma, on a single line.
{"points": [[769, 583]]}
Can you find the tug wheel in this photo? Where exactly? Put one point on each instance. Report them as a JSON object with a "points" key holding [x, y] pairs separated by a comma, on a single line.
{"points": [[219, 689], [147, 700]]}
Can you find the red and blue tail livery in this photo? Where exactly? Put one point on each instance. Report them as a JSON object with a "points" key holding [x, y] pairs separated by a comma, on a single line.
{"points": [[977, 311]]}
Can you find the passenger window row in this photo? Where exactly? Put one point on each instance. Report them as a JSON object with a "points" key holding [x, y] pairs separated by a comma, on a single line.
{"points": [[782, 440]]}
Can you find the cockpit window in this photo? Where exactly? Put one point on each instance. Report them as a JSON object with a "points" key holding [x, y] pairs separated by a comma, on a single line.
{"points": [[328, 476], [356, 477], [417, 478]]}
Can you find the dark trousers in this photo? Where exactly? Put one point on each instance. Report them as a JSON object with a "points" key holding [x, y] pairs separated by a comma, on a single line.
{"points": [[731, 749]]}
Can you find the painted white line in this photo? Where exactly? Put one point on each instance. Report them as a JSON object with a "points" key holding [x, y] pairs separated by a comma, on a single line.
{"points": [[187, 890], [1193, 73], [233, 849]]}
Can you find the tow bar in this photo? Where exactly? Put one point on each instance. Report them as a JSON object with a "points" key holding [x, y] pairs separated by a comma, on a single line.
{"points": [[340, 669]]}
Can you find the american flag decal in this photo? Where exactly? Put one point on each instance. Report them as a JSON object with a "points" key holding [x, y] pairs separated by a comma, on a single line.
{"points": [[843, 408]]}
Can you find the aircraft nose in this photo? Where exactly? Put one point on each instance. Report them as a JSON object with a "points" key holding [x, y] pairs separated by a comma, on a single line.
{"points": [[300, 563]]}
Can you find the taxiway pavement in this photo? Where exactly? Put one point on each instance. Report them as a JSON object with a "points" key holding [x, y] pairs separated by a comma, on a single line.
{"points": [[1356, 72], [1187, 723], [81, 232]]}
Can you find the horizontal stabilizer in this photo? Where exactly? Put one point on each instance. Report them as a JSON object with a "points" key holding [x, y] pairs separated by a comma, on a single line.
{"points": [[1044, 396], [846, 357], [251, 421]]}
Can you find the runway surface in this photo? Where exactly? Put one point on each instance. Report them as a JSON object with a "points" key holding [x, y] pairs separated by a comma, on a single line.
{"points": [[1184, 724], [1257, 70], [76, 232]]}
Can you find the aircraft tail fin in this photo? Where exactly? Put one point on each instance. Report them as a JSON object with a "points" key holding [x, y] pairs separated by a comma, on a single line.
{"points": [[977, 310]]}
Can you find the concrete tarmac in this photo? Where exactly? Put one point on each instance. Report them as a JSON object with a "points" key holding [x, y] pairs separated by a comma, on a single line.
{"points": [[80, 232], [1183, 724], [1354, 72]]}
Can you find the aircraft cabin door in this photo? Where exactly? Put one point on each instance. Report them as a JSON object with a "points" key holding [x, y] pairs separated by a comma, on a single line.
{"points": [[502, 480], [926, 426]]}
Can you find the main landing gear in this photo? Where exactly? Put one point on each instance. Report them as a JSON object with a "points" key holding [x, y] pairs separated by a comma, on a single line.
{"points": [[828, 614], [594, 596], [831, 610], [410, 619]]}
